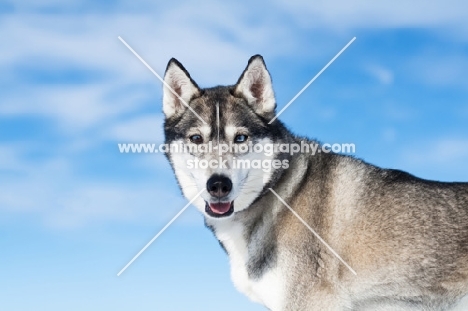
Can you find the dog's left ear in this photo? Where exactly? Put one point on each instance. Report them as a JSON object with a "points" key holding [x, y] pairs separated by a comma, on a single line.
{"points": [[255, 86]]}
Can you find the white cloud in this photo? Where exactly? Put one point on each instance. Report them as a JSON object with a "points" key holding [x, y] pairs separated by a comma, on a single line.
{"points": [[442, 158], [213, 41], [28, 184], [53, 43], [448, 150], [440, 153], [10, 155], [389, 134], [326, 113], [53, 192], [71, 107], [370, 14], [333, 14], [91, 41], [147, 128], [399, 111], [382, 74], [101, 203], [448, 69]]}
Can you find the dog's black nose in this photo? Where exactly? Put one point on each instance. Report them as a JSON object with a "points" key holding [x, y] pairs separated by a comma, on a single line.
{"points": [[219, 186]]}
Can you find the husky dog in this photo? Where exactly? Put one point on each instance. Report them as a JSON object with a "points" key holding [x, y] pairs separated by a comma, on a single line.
{"points": [[405, 237]]}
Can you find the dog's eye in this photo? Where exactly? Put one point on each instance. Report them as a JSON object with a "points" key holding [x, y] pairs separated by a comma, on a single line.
{"points": [[240, 138], [196, 139]]}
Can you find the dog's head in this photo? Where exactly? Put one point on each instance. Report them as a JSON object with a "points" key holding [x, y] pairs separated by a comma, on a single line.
{"points": [[216, 135]]}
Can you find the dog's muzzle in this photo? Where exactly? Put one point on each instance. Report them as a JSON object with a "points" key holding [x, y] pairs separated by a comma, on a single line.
{"points": [[219, 187]]}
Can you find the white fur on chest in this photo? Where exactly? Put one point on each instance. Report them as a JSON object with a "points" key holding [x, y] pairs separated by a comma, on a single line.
{"points": [[268, 290]]}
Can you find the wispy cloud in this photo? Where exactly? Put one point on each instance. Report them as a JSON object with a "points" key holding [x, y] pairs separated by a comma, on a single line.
{"points": [[380, 73], [440, 69], [59, 198], [438, 158], [147, 128], [370, 14]]}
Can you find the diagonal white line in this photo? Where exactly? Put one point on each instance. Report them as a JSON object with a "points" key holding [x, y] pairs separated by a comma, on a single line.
{"points": [[160, 79], [160, 232], [313, 79], [313, 231]]}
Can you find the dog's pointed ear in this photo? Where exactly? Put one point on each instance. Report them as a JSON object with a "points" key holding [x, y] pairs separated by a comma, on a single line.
{"points": [[255, 86], [178, 89]]}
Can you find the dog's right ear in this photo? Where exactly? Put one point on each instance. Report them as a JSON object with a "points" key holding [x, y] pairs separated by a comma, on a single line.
{"points": [[178, 89]]}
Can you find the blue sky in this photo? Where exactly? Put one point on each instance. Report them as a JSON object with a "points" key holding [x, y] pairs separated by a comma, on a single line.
{"points": [[73, 211]]}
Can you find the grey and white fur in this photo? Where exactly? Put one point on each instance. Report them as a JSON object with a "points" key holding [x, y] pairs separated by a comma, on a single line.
{"points": [[406, 237]]}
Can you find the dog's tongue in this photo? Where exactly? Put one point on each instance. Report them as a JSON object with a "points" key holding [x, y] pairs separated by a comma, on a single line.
{"points": [[220, 208]]}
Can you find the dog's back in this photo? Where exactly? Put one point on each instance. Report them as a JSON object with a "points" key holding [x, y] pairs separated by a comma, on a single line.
{"points": [[407, 238]]}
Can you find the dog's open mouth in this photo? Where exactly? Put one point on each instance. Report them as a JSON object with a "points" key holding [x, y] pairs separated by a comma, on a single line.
{"points": [[219, 209]]}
